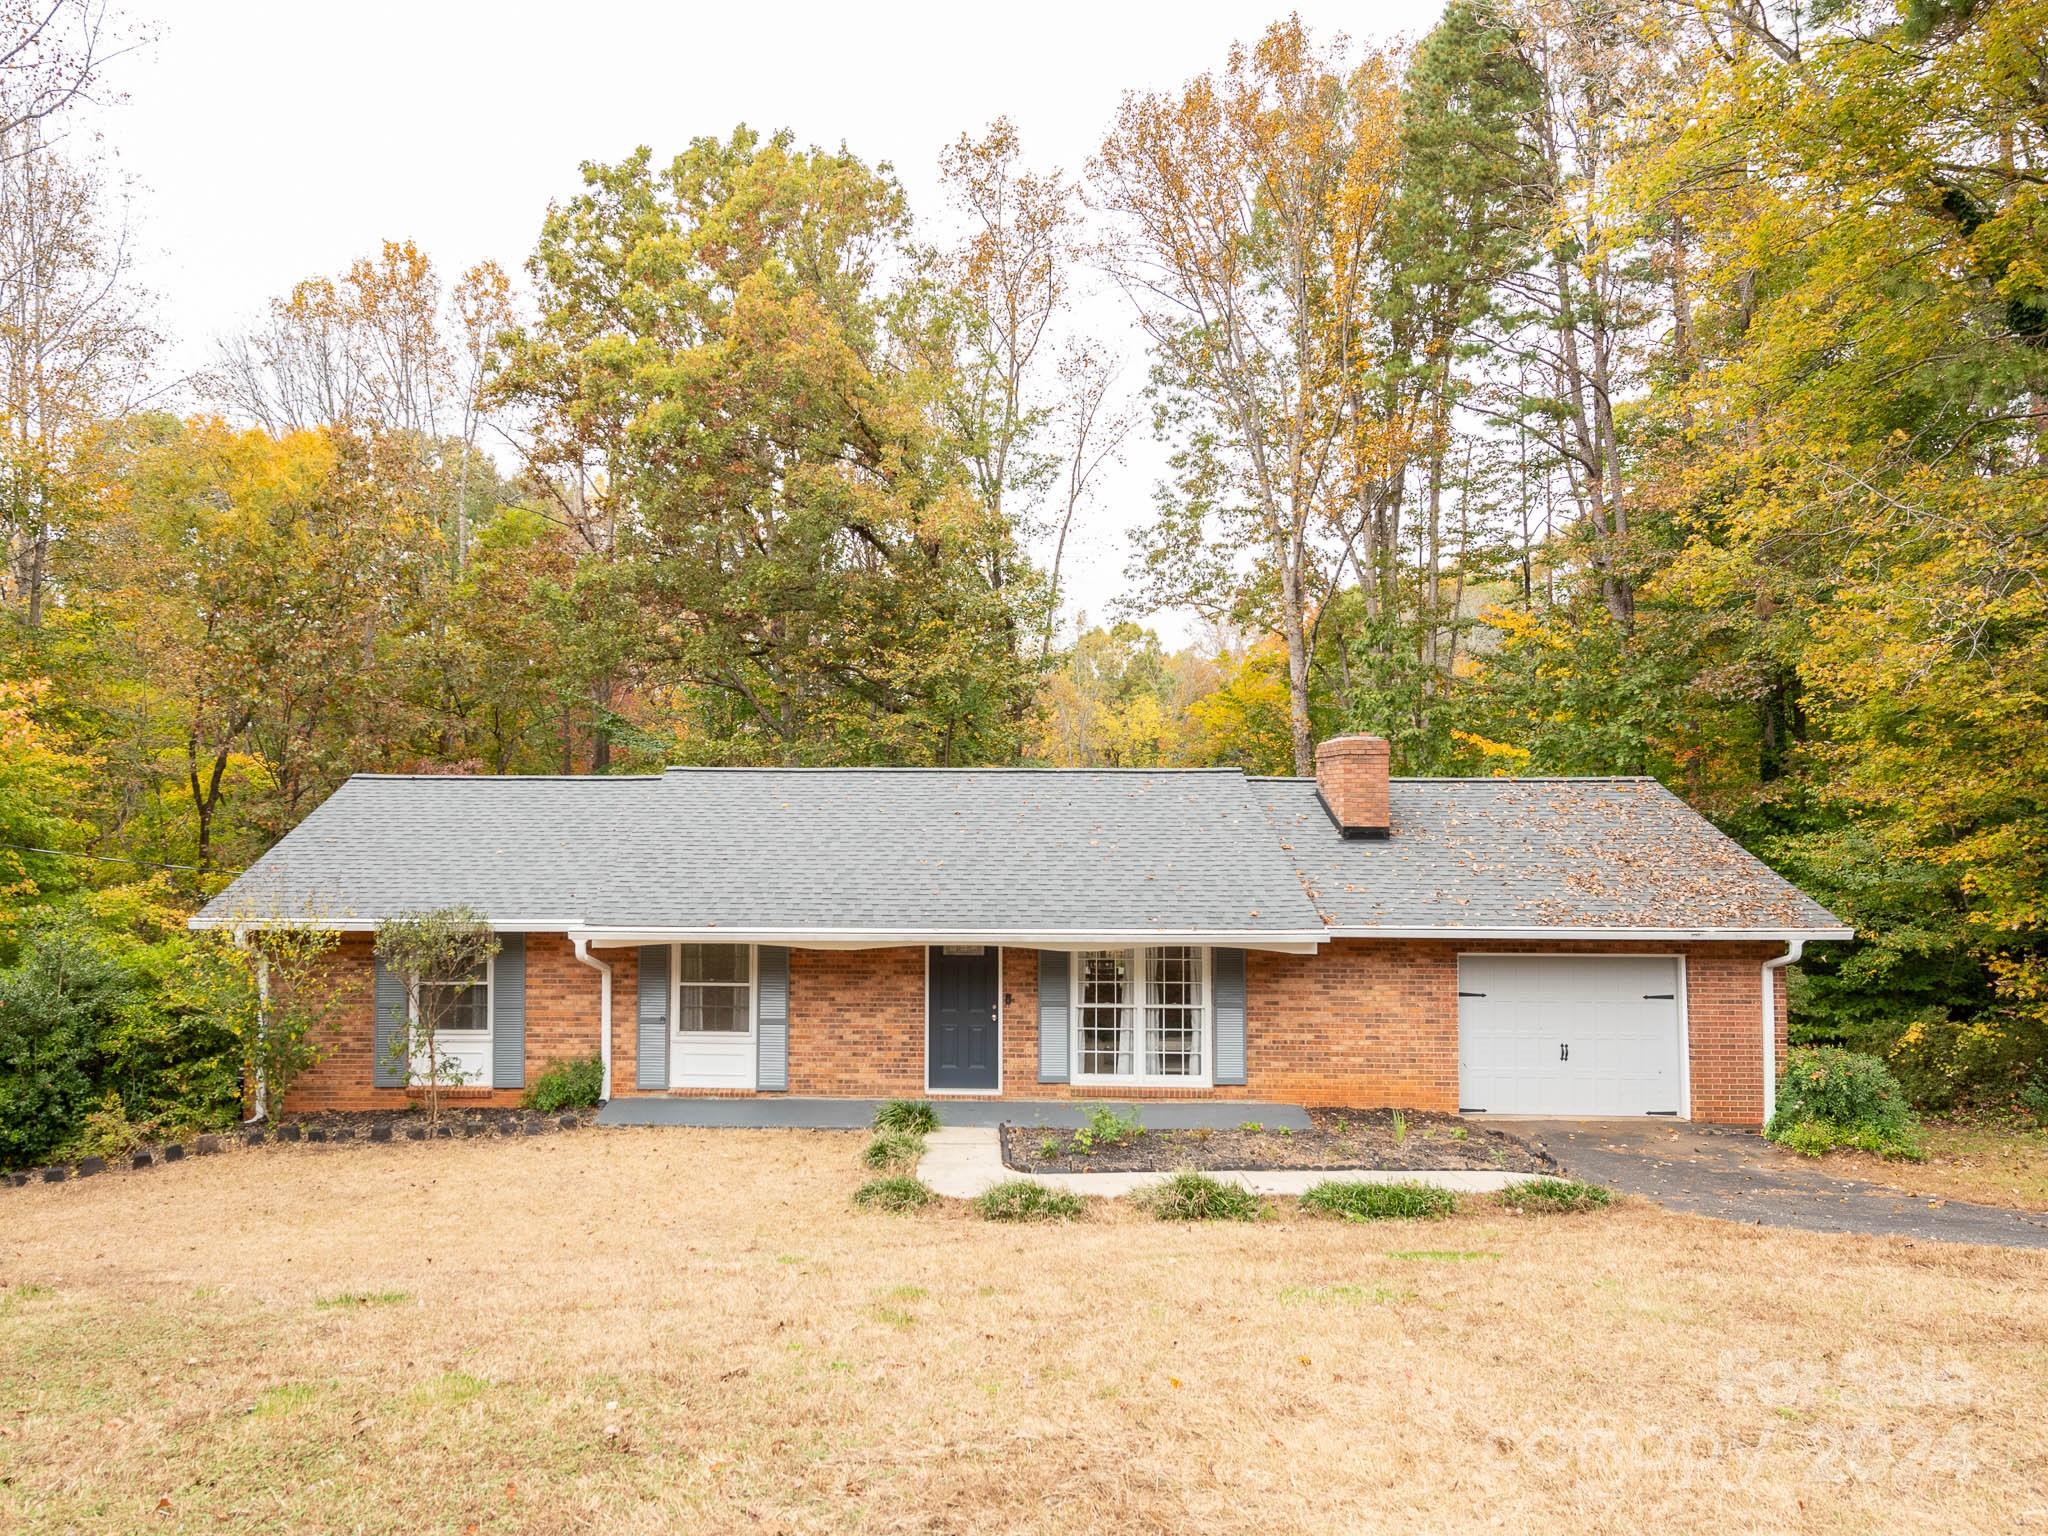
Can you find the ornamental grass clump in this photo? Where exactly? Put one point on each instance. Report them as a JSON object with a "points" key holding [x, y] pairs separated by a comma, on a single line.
{"points": [[899, 1192], [1829, 1098], [893, 1152], [1355, 1200], [1550, 1197], [916, 1116], [1027, 1200], [1190, 1196]]}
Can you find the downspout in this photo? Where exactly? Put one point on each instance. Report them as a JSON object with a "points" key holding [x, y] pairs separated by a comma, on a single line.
{"points": [[1770, 991], [259, 1094], [581, 946]]}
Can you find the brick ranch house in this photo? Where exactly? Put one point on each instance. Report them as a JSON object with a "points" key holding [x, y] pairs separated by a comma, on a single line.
{"points": [[1507, 946]]}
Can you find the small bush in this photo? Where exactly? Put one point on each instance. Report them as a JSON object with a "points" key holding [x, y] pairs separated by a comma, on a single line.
{"points": [[2033, 1099], [1026, 1200], [1829, 1097], [1353, 1200], [894, 1152], [1551, 1196], [1104, 1127], [572, 1085], [1189, 1196], [898, 1192], [913, 1115]]}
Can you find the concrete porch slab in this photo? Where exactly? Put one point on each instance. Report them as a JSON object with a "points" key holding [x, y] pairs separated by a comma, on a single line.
{"points": [[778, 1112], [962, 1161]]}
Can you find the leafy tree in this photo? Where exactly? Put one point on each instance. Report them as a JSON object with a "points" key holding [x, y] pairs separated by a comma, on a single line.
{"points": [[736, 398], [437, 956], [1247, 207]]}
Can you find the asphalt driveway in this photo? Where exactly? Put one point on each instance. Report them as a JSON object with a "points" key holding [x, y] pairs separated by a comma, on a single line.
{"points": [[1738, 1176]]}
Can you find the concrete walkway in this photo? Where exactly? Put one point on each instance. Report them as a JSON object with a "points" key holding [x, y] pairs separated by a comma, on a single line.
{"points": [[1738, 1176], [962, 1161], [782, 1112]]}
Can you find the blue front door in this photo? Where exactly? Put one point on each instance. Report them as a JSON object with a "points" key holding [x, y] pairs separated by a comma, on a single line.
{"points": [[962, 1048]]}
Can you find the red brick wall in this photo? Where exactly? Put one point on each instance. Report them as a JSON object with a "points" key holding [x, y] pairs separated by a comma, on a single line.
{"points": [[561, 1025], [1364, 1022], [856, 1022], [1375, 1022]]}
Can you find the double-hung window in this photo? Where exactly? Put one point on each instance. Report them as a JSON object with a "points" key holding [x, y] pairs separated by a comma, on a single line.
{"points": [[713, 985], [460, 1006], [1141, 1016]]}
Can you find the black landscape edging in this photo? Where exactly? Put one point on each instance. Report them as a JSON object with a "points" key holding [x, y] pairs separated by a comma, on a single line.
{"points": [[257, 1136]]}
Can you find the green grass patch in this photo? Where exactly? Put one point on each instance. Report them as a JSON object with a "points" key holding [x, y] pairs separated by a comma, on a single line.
{"points": [[289, 1397], [915, 1117], [1554, 1196], [1190, 1196], [21, 1295], [1027, 1200], [451, 1387], [352, 1300], [1444, 1255], [1354, 1200], [898, 1192]]}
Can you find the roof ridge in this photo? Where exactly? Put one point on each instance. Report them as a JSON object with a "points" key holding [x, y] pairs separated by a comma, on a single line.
{"points": [[922, 769], [1477, 778]]}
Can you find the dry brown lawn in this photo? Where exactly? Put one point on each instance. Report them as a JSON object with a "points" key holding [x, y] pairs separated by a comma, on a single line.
{"points": [[657, 1331], [1990, 1162]]}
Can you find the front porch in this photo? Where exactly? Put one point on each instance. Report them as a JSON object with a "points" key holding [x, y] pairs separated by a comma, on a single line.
{"points": [[783, 1112]]}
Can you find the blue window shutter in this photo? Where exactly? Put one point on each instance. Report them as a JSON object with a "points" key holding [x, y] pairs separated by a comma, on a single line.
{"points": [[771, 1006], [508, 1012], [387, 1068], [651, 1053], [1055, 968], [1226, 970]]}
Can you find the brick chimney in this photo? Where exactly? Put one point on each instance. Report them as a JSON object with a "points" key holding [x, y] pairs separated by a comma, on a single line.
{"points": [[1351, 777]]}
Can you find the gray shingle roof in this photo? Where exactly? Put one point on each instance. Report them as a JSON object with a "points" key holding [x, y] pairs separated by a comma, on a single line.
{"points": [[1533, 853], [774, 852], [768, 849]]}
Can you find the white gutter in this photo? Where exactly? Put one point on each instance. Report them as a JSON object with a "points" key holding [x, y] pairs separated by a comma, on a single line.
{"points": [[581, 946], [1791, 955], [1286, 941], [1705, 935]]}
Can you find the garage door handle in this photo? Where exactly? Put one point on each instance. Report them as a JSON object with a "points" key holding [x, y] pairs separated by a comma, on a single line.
{"points": [[1564, 1052]]}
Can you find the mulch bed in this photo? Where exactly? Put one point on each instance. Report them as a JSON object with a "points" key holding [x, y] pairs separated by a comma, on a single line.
{"points": [[1336, 1138]]}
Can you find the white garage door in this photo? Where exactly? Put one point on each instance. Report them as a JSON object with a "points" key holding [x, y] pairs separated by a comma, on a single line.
{"points": [[1568, 1035]]}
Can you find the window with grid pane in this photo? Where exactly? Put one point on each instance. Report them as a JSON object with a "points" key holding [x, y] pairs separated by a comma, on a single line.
{"points": [[1108, 1038], [1141, 1014], [464, 1002], [1173, 1012], [713, 985]]}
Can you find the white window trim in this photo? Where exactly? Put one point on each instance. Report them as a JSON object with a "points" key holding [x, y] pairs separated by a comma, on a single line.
{"points": [[1139, 969], [675, 993], [488, 1035], [962, 1093]]}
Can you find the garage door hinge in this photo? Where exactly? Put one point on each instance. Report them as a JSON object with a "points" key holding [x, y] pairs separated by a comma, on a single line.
{"points": [[1471, 994], [1660, 997]]}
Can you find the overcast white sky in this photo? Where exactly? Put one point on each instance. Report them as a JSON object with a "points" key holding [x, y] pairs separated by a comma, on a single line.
{"points": [[275, 140]]}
